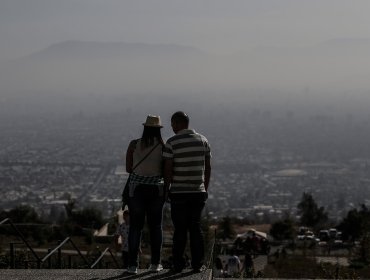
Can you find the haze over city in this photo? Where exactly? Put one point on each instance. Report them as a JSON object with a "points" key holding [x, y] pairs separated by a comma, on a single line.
{"points": [[273, 85], [184, 46]]}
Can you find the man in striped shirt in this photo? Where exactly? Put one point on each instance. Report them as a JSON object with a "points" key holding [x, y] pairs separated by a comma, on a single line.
{"points": [[187, 173]]}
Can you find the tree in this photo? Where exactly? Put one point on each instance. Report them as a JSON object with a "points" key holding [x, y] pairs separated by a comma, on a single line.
{"points": [[363, 251], [23, 214], [356, 223], [282, 230], [311, 214], [88, 217], [225, 229], [27, 216], [70, 206]]}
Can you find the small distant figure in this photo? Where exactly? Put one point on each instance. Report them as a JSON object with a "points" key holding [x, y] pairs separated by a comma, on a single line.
{"points": [[123, 231], [238, 244], [265, 246], [233, 266], [255, 243], [248, 266], [248, 244]]}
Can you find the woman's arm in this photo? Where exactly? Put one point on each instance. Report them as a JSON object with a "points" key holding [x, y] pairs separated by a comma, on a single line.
{"points": [[130, 156]]}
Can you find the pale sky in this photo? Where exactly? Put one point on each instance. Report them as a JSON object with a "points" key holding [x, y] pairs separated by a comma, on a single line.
{"points": [[214, 26]]}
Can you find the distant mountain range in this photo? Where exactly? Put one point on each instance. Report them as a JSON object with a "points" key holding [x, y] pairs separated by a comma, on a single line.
{"points": [[90, 50], [77, 66], [96, 50]]}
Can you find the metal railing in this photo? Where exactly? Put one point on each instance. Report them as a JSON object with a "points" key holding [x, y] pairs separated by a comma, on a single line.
{"points": [[51, 252], [59, 250], [98, 260], [21, 236]]}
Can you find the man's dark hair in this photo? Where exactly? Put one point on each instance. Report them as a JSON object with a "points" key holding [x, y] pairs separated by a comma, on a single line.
{"points": [[180, 117]]}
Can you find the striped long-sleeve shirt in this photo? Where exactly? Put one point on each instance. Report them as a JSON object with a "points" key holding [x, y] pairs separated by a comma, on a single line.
{"points": [[188, 150]]}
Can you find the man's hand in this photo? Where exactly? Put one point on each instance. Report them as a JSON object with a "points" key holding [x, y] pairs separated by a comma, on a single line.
{"points": [[167, 197]]}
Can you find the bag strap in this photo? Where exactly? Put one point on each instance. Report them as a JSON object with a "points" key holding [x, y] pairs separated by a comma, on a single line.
{"points": [[145, 156]]}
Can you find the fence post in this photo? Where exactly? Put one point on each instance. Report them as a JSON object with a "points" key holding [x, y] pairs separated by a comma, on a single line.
{"points": [[12, 255], [49, 259], [59, 256]]}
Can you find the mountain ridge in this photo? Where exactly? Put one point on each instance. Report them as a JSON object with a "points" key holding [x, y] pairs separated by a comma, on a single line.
{"points": [[88, 66], [87, 49]]}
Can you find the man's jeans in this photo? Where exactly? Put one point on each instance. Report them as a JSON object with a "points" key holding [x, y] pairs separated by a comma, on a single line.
{"points": [[145, 203], [186, 212]]}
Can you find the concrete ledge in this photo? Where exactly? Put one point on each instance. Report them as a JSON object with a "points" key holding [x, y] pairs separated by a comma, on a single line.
{"points": [[97, 274]]}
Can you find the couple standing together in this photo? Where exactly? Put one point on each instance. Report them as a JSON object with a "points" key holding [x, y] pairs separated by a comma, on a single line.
{"points": [[183, 162]]}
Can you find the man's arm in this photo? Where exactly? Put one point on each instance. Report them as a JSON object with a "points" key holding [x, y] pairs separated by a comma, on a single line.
{"points": [[207, 172]]}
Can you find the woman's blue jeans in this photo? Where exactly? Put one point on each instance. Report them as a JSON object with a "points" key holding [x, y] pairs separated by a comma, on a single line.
{"points": [[146, 203]]}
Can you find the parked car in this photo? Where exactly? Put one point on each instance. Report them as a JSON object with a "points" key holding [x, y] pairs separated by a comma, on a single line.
{"points": [[324, 235]]}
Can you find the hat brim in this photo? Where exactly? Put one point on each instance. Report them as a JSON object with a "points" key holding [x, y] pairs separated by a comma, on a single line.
{"points": [[152, 125]]}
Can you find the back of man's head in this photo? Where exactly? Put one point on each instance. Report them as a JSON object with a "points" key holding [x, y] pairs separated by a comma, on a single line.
{"points": [[180, 118]]}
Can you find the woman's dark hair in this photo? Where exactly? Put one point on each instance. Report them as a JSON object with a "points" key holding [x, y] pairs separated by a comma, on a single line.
{"points": [[149, 134]]}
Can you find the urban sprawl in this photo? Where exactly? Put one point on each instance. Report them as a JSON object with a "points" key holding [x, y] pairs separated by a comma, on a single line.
{"points": [[261, 165]]}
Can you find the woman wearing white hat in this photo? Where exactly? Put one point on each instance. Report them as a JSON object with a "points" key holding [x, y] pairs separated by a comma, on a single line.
{"points": [[146, 198]]}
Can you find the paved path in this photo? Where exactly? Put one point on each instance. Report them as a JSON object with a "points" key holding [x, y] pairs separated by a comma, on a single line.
{"points": [[97, 274]]}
